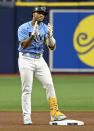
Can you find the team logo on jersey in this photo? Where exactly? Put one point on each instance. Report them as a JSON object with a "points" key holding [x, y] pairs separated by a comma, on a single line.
{"points": [[38, 38], [84, 40]]}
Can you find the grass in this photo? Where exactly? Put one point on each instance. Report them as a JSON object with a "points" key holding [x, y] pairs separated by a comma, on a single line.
{"points": [[74, 93]]}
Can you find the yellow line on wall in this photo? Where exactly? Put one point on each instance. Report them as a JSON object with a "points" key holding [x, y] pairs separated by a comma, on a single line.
{"points": [[55, 3]]}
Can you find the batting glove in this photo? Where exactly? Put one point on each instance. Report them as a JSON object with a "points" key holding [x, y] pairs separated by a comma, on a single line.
{"points": [[50, 30], [35, 31]]}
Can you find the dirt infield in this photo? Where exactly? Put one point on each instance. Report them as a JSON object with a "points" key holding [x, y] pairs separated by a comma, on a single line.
{"points": [[12, 121]]}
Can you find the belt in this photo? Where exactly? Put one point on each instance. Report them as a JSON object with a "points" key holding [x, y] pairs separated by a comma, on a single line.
{"points": [[32, 55]]}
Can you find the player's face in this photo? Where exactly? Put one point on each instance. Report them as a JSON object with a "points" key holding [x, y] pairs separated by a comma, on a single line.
{"points": [[39, 16]]}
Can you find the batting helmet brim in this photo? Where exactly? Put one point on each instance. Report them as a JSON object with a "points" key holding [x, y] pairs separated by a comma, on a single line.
{"points": [[40, 9]]}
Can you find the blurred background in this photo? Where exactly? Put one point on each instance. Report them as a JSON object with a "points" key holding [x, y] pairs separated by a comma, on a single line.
{"points": [[73, 22], [14, 13]]}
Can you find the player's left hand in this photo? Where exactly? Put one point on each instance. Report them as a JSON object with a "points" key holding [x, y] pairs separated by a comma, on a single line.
{"points": [[50, 30]]}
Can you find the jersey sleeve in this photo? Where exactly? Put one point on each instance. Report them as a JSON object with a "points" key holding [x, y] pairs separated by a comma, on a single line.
{"points": [[46, 28], [22, 33], [46, 36]]}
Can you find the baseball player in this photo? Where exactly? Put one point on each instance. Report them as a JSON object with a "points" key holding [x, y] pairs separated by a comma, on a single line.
{"points": [[32, 37]]}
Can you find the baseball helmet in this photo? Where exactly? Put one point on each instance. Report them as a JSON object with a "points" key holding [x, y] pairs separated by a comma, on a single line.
{"points": [[40, 9]]}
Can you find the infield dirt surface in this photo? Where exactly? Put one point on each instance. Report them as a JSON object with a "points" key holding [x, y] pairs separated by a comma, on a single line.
{"points": [[12, 121]]}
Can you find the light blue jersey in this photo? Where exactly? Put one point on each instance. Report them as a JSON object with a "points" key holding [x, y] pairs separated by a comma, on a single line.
{"points": [[37, 46]]}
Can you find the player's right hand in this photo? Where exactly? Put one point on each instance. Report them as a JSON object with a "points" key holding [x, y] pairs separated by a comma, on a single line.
{"points": [[35, 31]]}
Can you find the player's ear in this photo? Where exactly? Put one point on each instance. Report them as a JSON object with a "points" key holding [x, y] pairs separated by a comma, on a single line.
{"points": [[45, 16], [32, 15]]}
